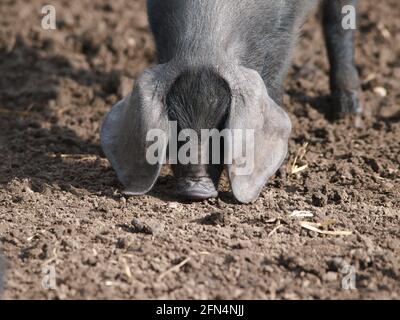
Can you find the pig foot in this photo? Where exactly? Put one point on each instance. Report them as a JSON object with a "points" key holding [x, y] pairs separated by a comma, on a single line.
{"points": [[346, 101]]}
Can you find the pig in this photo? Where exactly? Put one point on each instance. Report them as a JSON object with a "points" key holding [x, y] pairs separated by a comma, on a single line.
{"points": [[221, 64]]}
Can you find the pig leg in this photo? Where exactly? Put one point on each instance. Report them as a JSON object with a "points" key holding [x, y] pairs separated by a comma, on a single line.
{"points": [[344, 78]]}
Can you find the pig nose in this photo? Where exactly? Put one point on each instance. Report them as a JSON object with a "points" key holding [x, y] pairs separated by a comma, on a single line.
{"points": [[196, 189]]}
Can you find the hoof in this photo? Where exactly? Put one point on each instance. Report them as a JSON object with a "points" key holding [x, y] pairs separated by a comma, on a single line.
{"points": [[346, 102]]}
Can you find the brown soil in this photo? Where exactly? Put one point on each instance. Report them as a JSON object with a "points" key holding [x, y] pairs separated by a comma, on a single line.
{"points": [[61, 206]]}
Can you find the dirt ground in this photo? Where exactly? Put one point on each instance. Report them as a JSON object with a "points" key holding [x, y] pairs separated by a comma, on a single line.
{"points": [[61, 209]]}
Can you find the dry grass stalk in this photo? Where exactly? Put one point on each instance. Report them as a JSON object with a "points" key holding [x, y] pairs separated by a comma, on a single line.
{"points": [[295, 167], [317, 227], [177, 267]]}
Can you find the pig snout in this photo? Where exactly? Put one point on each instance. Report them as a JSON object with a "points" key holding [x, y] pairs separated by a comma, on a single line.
{"points": [[196, 182], [193, 188]]}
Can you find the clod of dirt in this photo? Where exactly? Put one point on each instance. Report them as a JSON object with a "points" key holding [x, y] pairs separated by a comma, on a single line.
{"points": [[90, 261], [319, 200], [216, 218], [335, 264], [242, 244], [373, 164], [148, 227], [121, 243]]}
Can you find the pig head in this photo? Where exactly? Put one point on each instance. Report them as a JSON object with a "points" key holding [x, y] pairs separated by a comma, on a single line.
{"points": [[249, 107]]}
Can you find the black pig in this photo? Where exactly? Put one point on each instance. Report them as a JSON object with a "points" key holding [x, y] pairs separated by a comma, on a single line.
{"points": [[221, 65]]}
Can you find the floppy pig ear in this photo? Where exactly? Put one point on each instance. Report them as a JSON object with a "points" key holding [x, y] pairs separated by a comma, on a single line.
{"points": [[125, 129], [255, 113]]}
